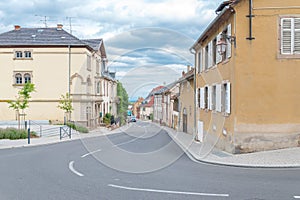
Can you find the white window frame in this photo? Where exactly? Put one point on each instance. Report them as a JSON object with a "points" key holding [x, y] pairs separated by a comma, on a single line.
{"points": [[226, 97], [27, 54], [22, 77], [18, 54], [293, 32]]}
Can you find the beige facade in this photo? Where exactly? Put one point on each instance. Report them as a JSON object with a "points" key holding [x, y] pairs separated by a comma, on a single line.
{"points": [[248, 95], [186, 102], [56, 70]]}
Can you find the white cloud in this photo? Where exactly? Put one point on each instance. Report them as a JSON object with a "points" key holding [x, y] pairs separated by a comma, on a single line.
{"points": [[153, 35]]}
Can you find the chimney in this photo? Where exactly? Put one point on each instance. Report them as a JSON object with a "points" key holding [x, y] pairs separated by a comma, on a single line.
{"points": [[59, 27], [188, 68], [17, 27]]}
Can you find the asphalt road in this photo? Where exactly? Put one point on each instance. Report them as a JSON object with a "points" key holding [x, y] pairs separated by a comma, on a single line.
{"points": [[140, 162]]}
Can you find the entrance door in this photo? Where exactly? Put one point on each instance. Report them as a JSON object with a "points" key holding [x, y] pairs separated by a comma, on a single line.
{"points": [[184, 120]]}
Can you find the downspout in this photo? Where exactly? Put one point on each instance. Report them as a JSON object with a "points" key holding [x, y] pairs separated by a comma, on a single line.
{"points": [[250, 16], [69, 85], [195, 97]]}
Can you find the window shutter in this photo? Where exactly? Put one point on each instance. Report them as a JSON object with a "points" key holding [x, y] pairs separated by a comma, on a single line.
{"points": [[196, 98], [228, 96], [219, 57], [286, 35], [203, 59], [202, 101], [297, 36], [228, 41], [209, 97], [210, 54], [199, 61], [218, 98]]}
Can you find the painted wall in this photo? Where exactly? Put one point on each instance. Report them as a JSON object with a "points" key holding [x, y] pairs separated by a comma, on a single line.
{"points": [[264, 84]]}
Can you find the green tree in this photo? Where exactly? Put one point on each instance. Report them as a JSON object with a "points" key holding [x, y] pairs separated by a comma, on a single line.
{"points": [[123, 102], [65, 103], [21, 102]]}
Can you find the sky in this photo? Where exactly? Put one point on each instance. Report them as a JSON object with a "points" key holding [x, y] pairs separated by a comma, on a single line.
{"points": [[147, 41]]}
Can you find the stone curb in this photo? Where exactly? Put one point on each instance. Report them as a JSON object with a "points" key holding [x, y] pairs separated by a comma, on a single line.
{"points": [[229, 164]]}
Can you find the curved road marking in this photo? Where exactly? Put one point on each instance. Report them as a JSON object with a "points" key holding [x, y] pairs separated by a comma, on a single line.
{"points": [[90, 153], [71, 167], [296, 197], [167, 191]]}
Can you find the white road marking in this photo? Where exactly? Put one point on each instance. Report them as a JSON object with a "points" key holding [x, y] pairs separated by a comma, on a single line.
{"points": [[85, 155], [168, 191], [296, 197], [71, 167]]}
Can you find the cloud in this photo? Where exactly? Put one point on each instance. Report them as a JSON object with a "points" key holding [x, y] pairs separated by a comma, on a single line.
{"points": [[146, 40]]}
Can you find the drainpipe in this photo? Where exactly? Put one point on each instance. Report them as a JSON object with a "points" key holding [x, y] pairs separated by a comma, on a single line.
{"points": [[250, 16], [69, 84], [195, 98]]}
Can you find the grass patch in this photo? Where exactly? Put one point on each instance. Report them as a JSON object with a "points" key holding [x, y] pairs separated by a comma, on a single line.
{"points": [[78, 128], [15, 134]]}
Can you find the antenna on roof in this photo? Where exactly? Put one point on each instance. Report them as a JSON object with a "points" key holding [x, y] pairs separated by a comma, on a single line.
{"points": [[46, 18], [70, 23]]}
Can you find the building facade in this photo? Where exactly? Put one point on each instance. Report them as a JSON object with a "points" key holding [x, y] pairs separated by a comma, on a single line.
{"points": [[57, 63], [186, 97], [247, 61]]}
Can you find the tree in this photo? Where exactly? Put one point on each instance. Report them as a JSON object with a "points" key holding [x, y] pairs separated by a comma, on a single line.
{"points": [[123, 101], [65, 103], [21, 102]]}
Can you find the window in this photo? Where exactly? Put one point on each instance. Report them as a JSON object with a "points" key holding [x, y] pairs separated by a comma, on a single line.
{"points": [[206, 97], [18, 78], [98, 87], [198, 97], [213, 97], [89, 63], [18, 54], [290, 36], [97, 67], [206, 57], [199, 62], [27, 54], [226, 97], [22, 77], [214, 51], [27, 78]]}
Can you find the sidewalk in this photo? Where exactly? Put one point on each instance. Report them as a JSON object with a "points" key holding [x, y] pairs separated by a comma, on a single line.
{"points": [[283, 158], [5, 143]]}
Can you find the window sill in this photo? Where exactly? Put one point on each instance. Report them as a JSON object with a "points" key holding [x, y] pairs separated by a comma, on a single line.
{"points": [[226, 114], [225, 61], [18, 85], [288, 56], [22, 58]]}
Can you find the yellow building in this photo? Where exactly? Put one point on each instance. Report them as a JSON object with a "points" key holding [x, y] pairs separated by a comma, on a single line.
{"points": [[248, 68], [186, 102], [56, 62]]}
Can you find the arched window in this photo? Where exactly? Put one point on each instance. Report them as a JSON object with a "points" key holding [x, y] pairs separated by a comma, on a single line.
{"points": [[18, 78], [27, 78]]}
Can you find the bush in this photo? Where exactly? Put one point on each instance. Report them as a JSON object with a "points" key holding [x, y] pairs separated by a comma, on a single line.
{"points": [[14, 134], [106, 118], [78, 128]]}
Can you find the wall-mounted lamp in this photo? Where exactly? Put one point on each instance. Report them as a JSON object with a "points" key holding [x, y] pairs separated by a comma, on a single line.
{"points": [[221, 46], [222, 43]]}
